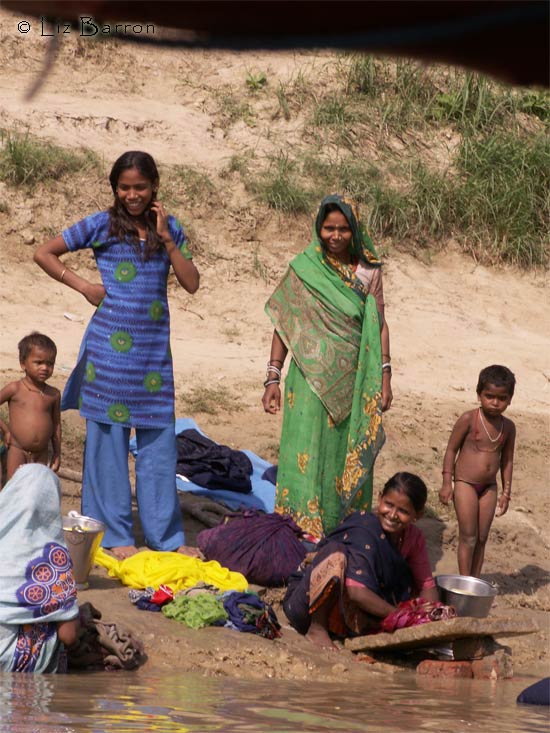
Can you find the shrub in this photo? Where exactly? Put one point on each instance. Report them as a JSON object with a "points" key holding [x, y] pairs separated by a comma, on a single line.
{"points": [[279, 188], [26, 160]]}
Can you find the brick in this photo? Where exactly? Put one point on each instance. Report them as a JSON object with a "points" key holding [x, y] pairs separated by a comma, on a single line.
{"points": [[437, 668], [473, 648], [497, 666], [365, 658]]}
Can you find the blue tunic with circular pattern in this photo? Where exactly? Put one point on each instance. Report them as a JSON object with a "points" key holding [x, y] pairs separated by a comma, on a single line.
{"points": [[126, 365]]}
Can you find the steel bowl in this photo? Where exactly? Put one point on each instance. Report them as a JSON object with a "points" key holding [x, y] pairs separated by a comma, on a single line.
{"points": [[470, 596]]}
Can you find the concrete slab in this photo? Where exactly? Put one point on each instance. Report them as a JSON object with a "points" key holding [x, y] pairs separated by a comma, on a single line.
{"points": [[439, 632]]}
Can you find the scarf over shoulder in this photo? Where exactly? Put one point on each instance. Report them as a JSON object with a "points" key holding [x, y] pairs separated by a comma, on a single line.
{"points": [[372, 560], [330, 324]]}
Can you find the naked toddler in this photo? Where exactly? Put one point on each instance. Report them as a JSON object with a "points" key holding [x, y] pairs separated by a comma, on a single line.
{"points": [[34, 407], [484, 442]]}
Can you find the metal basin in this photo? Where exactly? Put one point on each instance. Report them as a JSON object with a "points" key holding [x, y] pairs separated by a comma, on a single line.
{"points": [[470, 596], [83, 536]]}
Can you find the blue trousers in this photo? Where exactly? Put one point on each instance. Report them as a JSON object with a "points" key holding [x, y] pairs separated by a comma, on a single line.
{"points": [[106, 489]]}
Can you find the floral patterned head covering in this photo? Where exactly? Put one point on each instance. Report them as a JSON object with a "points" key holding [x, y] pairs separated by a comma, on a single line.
{"points": [[36, 577], [362, 246]]}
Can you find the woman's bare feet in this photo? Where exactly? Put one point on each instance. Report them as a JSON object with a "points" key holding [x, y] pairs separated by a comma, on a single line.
{"points": [[123, 551], [190, 551], [319, 636]]}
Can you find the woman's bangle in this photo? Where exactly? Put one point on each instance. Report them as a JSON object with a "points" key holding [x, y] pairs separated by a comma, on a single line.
{"points": [[271, 381], [62, 275], [271, 368]]}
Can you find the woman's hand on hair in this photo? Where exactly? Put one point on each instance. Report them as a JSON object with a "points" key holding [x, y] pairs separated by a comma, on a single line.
{"points": [[162, 221]]}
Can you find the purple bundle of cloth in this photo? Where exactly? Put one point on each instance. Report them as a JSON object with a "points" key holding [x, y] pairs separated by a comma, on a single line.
{"points": [[265, 548]]}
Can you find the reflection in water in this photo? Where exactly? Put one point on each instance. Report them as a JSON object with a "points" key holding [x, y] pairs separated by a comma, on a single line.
{"points": [[121, 702]]}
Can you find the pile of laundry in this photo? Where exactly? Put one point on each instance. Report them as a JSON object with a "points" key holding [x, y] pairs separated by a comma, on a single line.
{"points": [[204, 605], [103, 645], [192, 591]]}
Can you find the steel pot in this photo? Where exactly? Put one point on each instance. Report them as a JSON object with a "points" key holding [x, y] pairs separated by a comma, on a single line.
{"points": [[470, 596], [83, 536]]}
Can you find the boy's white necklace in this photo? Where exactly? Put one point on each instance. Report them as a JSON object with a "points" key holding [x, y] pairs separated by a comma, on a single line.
{"points": [[40, 391], [499, 436]]}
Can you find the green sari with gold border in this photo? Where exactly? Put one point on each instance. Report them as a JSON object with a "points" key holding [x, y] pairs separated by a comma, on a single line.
{"points": [[332, 429]]}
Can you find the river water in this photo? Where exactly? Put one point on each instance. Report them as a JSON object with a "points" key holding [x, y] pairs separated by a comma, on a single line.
{"points": [[122, 702]]}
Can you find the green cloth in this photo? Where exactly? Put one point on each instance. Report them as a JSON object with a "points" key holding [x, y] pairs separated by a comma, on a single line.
{"points": [[196, 611], [332, 428]]}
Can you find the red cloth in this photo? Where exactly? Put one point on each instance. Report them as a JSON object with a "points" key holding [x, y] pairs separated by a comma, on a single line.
{"points": [[162, 595], [415, 612]]}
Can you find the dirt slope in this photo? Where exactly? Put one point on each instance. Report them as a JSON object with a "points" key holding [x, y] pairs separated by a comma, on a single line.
{"points": [[448, 317]]}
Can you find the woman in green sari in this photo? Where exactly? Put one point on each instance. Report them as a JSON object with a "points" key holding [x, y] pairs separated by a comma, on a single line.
{"points": [[328, 312]]}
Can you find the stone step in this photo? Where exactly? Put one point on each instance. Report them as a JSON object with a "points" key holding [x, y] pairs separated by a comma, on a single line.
{"points": [[438, 632]]}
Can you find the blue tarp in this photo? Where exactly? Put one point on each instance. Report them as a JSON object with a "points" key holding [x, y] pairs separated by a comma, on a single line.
{"points": [[262, 495]]}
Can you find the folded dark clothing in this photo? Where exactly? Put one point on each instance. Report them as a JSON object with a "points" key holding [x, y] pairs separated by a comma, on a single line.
{"points": [[211, 465], [270, 474], [206, 510]]}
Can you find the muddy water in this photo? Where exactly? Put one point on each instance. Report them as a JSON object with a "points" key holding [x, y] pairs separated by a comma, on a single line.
{"points": [[131, 703]]}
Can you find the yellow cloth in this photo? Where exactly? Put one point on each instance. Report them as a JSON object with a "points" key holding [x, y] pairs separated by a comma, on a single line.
{"points": [[150, 568]]}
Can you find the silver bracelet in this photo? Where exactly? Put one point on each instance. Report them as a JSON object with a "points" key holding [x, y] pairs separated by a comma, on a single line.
{"points": [[271, 381], [386, 365], [273, 369]]}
